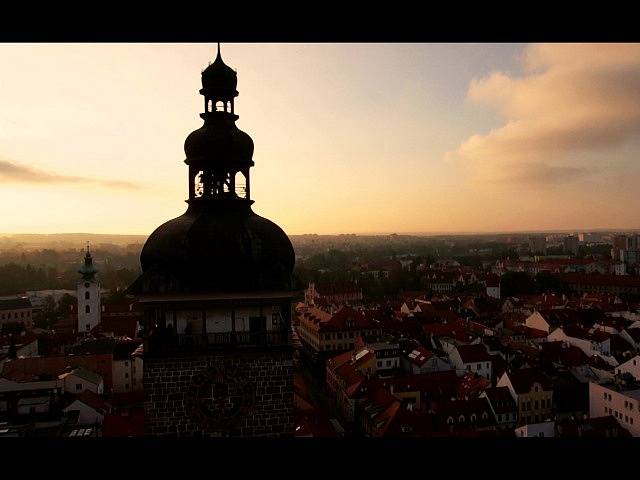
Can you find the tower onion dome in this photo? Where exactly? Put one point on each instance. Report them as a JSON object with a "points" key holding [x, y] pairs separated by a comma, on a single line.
{"points": [[213, 248], [219, 244], [219, 77], [88, 269]]}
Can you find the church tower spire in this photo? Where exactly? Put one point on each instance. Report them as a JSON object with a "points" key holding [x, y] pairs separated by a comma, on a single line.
{"points": [[88, 293]]}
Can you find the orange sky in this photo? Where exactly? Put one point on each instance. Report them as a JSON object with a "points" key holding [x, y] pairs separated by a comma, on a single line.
{"points": [[349, 138]]}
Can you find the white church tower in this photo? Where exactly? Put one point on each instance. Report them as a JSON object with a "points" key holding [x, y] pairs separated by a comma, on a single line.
{"points": [[88, 295]]}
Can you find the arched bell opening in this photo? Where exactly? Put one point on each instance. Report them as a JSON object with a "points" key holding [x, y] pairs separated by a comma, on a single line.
{"points": [[240, 182], [198, 184]]}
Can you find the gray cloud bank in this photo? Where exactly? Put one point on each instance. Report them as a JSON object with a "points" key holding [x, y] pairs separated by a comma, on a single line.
{"points": [[14, 173]]}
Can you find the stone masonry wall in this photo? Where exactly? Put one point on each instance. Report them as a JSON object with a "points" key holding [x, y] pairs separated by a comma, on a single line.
{"points": [[237, 394]]}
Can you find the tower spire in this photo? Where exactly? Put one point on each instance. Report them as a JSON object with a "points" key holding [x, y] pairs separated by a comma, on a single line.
{"points": [[219, 55]]}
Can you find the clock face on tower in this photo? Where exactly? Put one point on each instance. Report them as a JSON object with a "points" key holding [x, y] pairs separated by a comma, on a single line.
{"points": [[219, 397]]}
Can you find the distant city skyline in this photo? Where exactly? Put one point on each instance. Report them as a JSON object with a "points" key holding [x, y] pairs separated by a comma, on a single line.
{"points": [[349, 138]]}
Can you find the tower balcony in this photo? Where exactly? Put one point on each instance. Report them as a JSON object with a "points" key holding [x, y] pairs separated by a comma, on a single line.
{"points": [[165, 343]]}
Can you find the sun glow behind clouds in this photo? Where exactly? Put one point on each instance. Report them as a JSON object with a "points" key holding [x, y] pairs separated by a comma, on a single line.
{"points": [[349, 138]]}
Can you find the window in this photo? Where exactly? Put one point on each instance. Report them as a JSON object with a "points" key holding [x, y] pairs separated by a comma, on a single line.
{"points": [[487, 365], [450, 420], [87, 309], [479, 366], [631, 420], [461, 419], [78, 387], [126, 386], [469, 368], [126, 363], [86, 295], [535, 388], [473, 417], [86, 284], [541, 434], [626, 418], [535, 405]]}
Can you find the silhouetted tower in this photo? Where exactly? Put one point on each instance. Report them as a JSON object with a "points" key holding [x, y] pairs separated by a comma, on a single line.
{"points": [[88, 293], [216, 288]]}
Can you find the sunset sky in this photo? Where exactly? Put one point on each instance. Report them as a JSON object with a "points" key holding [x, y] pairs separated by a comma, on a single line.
{"points": [[349, 138]]}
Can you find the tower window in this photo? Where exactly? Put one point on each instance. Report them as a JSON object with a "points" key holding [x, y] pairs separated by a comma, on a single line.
{"points": [[86, 284], [87, 309], [219, 106], [86, 295]]}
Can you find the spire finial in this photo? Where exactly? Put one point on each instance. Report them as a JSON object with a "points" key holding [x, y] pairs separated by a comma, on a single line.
{"points": [[219, 56]]}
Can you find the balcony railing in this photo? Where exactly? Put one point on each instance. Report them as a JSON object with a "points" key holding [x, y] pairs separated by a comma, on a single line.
{"points": [[167, 343]]}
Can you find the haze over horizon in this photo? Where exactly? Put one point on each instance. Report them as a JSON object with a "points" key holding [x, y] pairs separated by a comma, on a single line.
{"points": [[364, 138]]}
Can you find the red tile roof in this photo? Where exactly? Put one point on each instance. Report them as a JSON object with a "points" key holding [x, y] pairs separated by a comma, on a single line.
{"points": [[501, 400], [419, 356], [523, 380], [473, 353], [26, 369]]}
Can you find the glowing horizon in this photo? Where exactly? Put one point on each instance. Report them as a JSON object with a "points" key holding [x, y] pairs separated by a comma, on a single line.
{"points": [[349, 138]]}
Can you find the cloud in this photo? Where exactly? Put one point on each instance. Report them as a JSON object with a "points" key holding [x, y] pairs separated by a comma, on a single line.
{"points": [[570, 101], [14, 173]]}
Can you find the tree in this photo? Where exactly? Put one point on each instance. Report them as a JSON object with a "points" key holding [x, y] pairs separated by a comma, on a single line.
{"points": [[49, 312], [115, 296], [546, 282], [514, 283]]}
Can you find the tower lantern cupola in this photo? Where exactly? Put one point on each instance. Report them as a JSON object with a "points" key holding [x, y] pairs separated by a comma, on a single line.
{"points": [[88, 269], [219, 154]]}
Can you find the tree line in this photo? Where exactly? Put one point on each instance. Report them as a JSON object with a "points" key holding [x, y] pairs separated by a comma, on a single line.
{"points": [[15, 278]]}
